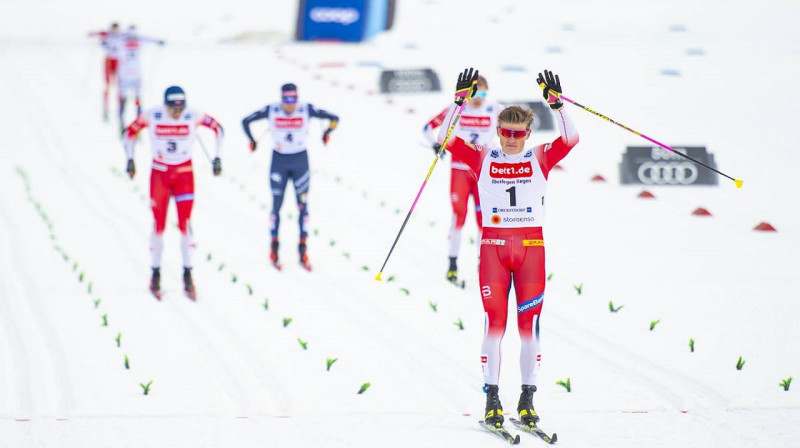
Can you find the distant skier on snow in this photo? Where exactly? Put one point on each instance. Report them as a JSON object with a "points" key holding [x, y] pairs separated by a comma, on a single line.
{"points": [[129, 75], [111, 40], [289, 122], [512, 184], [172, 134], [476, 126]]}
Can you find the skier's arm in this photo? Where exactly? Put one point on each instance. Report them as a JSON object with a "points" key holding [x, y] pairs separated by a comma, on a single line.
{"points": [[465, 153], [130, 133], [549, 155], [257, 115], [435, 122], [333, 121], [209, 122]]}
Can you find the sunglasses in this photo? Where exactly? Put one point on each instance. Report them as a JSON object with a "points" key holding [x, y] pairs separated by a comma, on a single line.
{"points": [[512, 133], [480, 94]]}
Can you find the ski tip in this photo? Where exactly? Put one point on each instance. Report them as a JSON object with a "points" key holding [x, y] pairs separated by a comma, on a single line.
{"points": [[516, 440], [554, 438], [738, 183]]}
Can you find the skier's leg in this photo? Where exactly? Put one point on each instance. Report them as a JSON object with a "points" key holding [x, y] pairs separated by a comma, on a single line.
{"points": [[183, 191], [301, 178], [495, 281], [459, 197], [277, 181], [159, 200], [529, 285]]}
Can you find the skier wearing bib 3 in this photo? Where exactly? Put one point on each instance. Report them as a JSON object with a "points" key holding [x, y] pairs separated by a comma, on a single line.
{"points": [[172, 134], [512, 182], [289, 123], [476, 126]]}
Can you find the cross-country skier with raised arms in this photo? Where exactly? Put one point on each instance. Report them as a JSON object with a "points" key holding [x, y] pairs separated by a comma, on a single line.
{"points": [[172, 134], [512, 184], [476, 126], [289, 122]]}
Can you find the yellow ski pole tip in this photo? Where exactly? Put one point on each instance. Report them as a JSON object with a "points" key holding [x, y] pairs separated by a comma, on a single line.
{"points": [[378, 277], [738, 183]]}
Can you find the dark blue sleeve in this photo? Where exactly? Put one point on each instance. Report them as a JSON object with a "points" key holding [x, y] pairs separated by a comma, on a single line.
{"points": [[319, 113], [257, 115]]}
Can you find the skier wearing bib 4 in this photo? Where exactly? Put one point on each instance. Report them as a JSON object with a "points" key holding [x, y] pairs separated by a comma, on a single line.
{"points": [[476, 126], [172, 134], [289, 123], [512, 183]]}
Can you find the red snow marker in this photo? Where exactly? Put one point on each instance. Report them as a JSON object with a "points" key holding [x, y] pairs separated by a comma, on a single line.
{"points": [[646, 195], [765, 227], [598, 178], [700, 211]]}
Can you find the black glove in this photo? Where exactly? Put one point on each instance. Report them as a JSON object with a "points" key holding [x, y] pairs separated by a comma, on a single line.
{"points": [[217, 166], [552, 89], [131, 168], [466, 86], [436, 147]]}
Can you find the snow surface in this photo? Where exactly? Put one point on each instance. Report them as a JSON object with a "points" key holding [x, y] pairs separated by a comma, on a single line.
{"points": [[226, 372]]}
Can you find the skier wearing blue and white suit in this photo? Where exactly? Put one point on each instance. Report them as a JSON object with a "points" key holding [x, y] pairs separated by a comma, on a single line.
{"points": [[289, 124]]}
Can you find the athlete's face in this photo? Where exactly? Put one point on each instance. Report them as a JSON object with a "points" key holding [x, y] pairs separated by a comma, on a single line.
{"points": [[175, 111], [476, 102], [513, 136]]}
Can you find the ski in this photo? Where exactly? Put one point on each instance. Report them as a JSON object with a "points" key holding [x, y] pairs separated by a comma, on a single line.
{"points": [[501, 432], [535, 430], [458, 283], [157, 293], [191, 294], [277, 265], [306, 265]]}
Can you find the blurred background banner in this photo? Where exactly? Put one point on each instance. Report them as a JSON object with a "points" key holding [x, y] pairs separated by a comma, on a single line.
{"points": [[343, 20], [651, 165]]}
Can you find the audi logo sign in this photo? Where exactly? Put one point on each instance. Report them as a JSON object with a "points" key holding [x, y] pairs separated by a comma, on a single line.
{"points": [[409, 81], [650, 165]]}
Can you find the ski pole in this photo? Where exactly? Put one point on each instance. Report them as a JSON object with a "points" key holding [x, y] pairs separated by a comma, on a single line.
{"points": [[738, 182], [456, 117], [199, 140]]}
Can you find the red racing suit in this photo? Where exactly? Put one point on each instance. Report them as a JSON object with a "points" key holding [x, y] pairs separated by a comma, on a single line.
{"points": [[512, 189], [172, 175]]}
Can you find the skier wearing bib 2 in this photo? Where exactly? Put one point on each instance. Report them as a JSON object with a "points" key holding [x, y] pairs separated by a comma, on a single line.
{"points": [[512, 182], [172, 134], [289, 122], [476, 126]]}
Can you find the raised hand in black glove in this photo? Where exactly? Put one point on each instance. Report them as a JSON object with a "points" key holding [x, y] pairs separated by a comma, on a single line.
{"points": [[217, 166], [131, 168], [552, 89], [466, 85]]}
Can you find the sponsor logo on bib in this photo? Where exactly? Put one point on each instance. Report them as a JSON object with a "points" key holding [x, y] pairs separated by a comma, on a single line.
{"points": [[166, 130], [289, 123], [474, 122], [510, 170]]}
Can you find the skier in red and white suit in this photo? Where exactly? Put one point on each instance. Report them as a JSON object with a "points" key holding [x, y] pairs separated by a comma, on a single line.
{"points": [[512, 184], [112, 41], [476, 126], [172, 134], [129, 73]]}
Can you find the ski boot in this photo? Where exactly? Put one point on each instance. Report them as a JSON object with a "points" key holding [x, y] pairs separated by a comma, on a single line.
{"points": [[494, 410], [452, 271], [527, 415], [303, 255], [188, 284], [273, 254], [155, 283]]}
